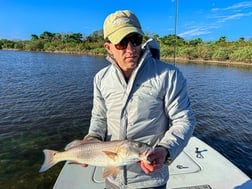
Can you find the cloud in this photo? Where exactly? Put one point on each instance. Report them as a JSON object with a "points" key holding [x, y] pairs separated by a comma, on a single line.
{"points": [[195, 32], [237, 6], [213, 19], [234, 16], [233, 12]]}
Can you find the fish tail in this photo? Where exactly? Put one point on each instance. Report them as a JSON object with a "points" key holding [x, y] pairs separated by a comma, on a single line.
{"points": [[49, 160]]}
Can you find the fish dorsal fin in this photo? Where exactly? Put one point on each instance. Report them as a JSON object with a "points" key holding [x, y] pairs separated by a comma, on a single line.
{"points": [[79, 142], [110, 171], [73, 144], [111, 155]]}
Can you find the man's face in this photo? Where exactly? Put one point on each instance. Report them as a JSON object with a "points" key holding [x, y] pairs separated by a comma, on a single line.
{"points": [[127, 52]]}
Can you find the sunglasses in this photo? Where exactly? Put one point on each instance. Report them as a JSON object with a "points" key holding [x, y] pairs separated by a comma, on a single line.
{"points": [[135, 40]]}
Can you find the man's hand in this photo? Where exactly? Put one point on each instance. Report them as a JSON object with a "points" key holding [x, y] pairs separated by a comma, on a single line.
{"points": [[157, 159], [84, 165]]}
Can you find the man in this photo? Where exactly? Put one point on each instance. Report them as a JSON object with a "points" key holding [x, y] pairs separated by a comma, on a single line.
{"points": [[141, 98]]}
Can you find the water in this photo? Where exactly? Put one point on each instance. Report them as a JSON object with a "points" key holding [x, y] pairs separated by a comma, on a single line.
{"points": [[222, 101], [46, 99]]}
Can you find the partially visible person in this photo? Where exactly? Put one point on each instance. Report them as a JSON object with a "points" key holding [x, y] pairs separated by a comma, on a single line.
{"points": [[138, 97]]}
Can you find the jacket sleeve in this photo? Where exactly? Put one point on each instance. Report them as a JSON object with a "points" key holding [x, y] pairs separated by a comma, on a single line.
{"points": [[179, 112], [98, 122]]}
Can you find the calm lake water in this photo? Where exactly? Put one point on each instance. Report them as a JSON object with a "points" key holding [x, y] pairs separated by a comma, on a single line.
{"points": [[46, 100]]}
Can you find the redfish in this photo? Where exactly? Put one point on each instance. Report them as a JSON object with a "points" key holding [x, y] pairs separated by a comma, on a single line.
{"points": [[110, 155]]}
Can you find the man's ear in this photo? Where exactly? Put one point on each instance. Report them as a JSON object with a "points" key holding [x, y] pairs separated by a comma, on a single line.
{"points": [[107, 47]]}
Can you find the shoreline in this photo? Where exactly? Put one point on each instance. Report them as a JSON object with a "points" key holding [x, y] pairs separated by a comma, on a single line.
{"points": [[227, 63], [179, 60]]}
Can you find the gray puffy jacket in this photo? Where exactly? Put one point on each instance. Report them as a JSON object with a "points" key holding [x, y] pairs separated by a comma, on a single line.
{"points": [[153, 107]]}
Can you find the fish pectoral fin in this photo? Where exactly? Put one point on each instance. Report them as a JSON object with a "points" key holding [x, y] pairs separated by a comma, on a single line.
{"points": [[110, 171], [111, 155]]}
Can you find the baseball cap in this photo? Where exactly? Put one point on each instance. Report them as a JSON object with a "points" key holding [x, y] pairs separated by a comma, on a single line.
{"points": [[119, 24]]}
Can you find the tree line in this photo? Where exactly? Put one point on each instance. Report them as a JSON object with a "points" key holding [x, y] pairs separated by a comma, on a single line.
{"points": [[75, 43]]}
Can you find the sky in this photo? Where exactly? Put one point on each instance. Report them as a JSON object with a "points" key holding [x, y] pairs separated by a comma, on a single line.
{"points": [[205, 19]]}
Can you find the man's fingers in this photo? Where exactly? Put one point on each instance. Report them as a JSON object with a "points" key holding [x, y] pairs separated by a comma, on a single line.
{"points": [[147, 168], [84, 165], [144, 168]]}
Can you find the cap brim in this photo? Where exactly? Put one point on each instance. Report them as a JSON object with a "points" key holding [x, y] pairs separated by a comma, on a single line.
{"points": [[117, 36]]}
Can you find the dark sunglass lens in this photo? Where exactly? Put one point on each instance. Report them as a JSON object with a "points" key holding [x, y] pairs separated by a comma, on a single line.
{"points": [[136, 40], [122, 45]]}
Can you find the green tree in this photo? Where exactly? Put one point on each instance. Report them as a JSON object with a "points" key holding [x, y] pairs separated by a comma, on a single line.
{"points": [[57, 37], [222, 39], [195, 42], [95, 36], [75, 37], [47, 36], [241, 42], [171, 40], [37, 45], [19, 45], [8, 44], [34, 37]]}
